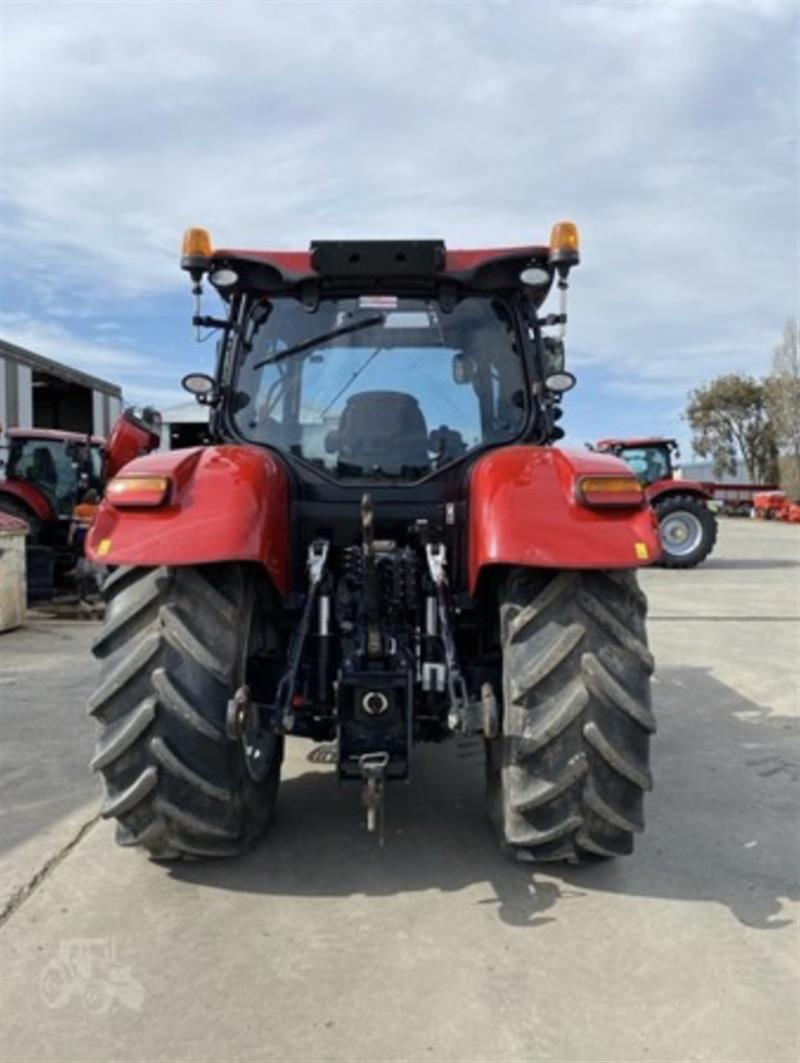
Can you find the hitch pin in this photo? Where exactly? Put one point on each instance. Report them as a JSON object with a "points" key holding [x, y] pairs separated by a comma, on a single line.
{"points": [[373, 796]]}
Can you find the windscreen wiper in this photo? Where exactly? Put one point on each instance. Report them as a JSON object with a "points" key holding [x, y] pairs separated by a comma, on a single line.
{"points": [[306, 345]]}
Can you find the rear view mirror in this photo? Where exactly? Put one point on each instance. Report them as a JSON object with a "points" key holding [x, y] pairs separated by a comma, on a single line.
{"points": [[464, 368], [201, 385]]}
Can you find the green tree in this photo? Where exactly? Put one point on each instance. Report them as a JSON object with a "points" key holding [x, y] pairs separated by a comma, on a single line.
{"points": [[730, 422], [783, 406]]}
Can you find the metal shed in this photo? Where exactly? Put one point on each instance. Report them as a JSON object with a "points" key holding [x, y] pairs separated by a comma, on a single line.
{"points": [[37, 392]]}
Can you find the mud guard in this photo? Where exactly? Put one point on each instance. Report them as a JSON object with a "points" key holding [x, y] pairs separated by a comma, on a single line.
{"points": [[131, 437], [226, 503], [524, 510], [656, 491], [31, 496]]}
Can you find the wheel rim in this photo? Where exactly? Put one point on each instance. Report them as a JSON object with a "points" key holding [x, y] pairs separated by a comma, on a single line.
{"points": [[681, 533], [259, 748]]}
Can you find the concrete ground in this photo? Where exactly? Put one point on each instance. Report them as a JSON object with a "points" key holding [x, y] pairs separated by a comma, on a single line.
{"points": [[47, 796], [321, 946]]}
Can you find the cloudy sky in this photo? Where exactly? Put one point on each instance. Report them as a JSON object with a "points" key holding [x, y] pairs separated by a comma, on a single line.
{"points": [[668, 131]]}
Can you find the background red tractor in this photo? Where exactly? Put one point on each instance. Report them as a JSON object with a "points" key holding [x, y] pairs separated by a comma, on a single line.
{"points": [[48, 472], [688, 526], [381, 547], [45, 473]]}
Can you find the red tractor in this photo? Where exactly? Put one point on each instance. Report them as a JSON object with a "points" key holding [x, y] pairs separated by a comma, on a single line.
{"points": [[688, 526], [47, 472], [381, 547]]}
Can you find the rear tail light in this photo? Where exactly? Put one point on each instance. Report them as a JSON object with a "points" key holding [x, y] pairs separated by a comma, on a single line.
{"points": [[614, 491], [137, 490]]}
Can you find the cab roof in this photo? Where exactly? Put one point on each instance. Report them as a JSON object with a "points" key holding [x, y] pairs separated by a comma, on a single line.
{"points": [[55, 435], [636, 441], [382, 265]]}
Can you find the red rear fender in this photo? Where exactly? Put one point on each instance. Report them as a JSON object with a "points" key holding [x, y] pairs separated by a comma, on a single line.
{"points": [[130, 438], [524, 510], [226, 503], [676, 487], [36, 501]]}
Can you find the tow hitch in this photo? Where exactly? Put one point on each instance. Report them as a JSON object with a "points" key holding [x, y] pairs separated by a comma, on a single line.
{"points": [[373, 797]]}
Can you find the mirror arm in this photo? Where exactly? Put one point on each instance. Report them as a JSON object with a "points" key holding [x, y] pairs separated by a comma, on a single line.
{"points": [[210, 398], [204, 321]]}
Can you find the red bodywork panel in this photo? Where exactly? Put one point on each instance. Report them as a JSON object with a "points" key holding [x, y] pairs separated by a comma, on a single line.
{"points": [[523, 511], [226, 503], [297, 264], [659, 488], [33, 498], [129, 439]]}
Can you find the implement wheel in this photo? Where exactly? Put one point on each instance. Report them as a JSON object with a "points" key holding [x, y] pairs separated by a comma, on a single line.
{"points": [[177, 643], [567, 776]]}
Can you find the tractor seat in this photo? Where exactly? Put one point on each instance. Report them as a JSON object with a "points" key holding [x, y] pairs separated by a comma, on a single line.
{"points": [[43, 468], [383, 429]]}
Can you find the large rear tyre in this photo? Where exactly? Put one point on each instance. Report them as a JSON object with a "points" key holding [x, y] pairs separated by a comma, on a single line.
{"points": [[567, 776], [688, 530], [176, 644]]}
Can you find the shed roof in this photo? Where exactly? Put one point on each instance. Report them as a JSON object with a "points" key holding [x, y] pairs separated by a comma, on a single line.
{"points": [[65, 372]]}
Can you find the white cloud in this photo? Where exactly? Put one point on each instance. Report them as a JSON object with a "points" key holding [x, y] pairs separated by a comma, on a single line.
{"points": [[146, 378], [58, 343], [668, 130]]}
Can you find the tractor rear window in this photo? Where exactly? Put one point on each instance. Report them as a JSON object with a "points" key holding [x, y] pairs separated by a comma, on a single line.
{"points": [[648, 463], [380, 386], [47, 465]]}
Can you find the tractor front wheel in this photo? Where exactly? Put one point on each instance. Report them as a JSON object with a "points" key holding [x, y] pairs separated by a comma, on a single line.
{"points": [[567, 775], [688, 530], [177, 643]]}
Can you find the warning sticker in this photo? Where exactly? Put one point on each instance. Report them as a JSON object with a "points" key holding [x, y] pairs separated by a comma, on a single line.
{"points": [[641, 551], [103, 547]]}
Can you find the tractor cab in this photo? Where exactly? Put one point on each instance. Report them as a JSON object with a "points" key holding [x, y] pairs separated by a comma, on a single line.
{"points": [[387, 389], [377, 363], [652, 459], [47, 471]]}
